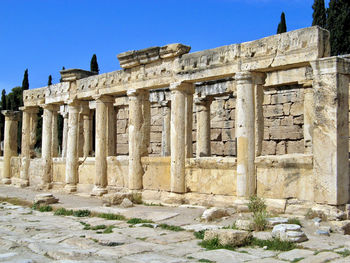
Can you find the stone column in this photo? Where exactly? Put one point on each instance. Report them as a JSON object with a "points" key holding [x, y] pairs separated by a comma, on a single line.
{"points": [[100, 180], [54, 145], [178, 140], [46, 146], [65, 133], [245, 133], [309, 117], [10, 142], [139, 135], [259, 80], [166, 149], [33, 130], [203, 126], [111, 132], [331, 130], [27, 146], [87, 134], [72, 147], [189, 121]]}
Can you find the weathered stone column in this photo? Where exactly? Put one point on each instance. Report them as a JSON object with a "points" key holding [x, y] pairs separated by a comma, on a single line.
{"points": [[166, 149], [259, 80], [10, 142], [87, 134], [46, 146], [72, 147], [65, 133], [33, 130], [189, 121], [27, 146], [245, 133], [178, 129], [309, 117], [139, 135], [111, 132], [331, 130], [203, 126], [54, 145], [100, 180]]}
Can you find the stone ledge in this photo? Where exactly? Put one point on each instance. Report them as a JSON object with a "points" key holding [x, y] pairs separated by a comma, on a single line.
{"points": [[286, 160]]}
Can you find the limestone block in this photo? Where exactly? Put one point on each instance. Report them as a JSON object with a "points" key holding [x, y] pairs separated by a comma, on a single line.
{"points": [[126, 203], [156, 137], [287, 121], [157, 173], [232, 114], [331, 212], [122, 148], [228, 135], [275, 205], [286, 132], [155, 128], [268, 148], [244, 224], [342, 227], [229, 124], [217, 148], [266, 133], [122, 138], [116, 198], [230, 148], [267, 99], [281, 148], [273, 110], [264, 235], [213, 214], [272, 221], [286, 108], [121, 126], [215, 134], [230, 103], [280, 98], [272, 121], [123, 114], [297, 109], [289, 232], [298, 120], [228, 237], [46, 198], [295, 146], [216, 124]]}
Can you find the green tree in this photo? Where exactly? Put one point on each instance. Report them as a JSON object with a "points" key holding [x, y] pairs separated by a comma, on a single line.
{"points": [[49, 82], [14, 99], [319, 17], [282, 26], [25, 82], [3, 100], [63, 68], [338, 24], [94, 64]]}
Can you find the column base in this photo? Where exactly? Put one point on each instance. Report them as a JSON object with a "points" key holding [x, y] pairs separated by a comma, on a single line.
{"points": [[23, 183], [70, 188], [98, 191], [6, 180], [44, 186]]}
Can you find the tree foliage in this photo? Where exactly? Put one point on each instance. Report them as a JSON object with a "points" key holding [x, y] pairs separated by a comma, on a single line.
{"points": [[282, 26], [49, 82], [319, 17], [94, 64], [25, 82]]}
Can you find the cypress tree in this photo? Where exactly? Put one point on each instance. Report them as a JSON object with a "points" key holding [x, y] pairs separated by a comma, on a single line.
{"points": [[282, 26], [25, 82], [49, 82], [338, 24], [3, 100], [93, 64], [319, 17]]}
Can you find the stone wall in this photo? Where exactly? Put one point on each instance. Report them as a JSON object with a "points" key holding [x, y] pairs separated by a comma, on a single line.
{"points": [[283, 110]]}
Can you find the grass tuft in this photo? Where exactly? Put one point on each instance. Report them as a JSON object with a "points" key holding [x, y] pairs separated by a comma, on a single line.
{"points": [[256, 204], [135, 221], [108, 230], [42, 208], [206, 260], [199, 234], [273, 244], [171, 228], [63, 212], [81, 213], [111, 216], [344, 253]]}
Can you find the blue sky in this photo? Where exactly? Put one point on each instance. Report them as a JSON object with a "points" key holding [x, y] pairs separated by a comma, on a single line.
{"points": [[44, 35]]}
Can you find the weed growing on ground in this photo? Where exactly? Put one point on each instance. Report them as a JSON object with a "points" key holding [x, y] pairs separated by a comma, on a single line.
{"points": [[206, 260], [63, 212], [141, 238], [81, 213], [273, 244], [108, 230], [256, 204], [214, 244], [111, 216], [199, 234], [42, 208], [344, 253], [148, 225], [171, 228], [296, 260], [295, 221], [233, 226], [135, 221]]}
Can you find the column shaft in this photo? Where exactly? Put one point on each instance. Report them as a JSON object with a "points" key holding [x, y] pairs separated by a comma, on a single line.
{"points": [[189, 122], [203, 127], [65, 134], [46, 146], [166, 149], [178, 140], [139, 135], [10, 143], [72, 148], [309, 117], [245, 133], [87, 135], [54, 145], [111, 132]]}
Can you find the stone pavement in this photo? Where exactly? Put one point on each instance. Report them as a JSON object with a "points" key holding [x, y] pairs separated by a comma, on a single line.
{"points": [[27, 235]]}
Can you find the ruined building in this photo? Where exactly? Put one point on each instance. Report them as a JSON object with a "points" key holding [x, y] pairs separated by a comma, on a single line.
{"points": [[266, 117]]}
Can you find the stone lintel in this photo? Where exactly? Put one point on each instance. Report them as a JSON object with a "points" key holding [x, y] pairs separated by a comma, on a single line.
{"points": [[52, 107], [29, 109], [13, 115], [182, 86], [104, 98], [75, 74], [135, 58], [331, 65]]}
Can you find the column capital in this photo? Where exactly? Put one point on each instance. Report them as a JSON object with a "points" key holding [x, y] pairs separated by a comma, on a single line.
{"points": [[51, 107], [12, 115], [243, 76], [164, 103], [29, 109], [104, 98], [203, 100], [182, 86], [136, 92]]}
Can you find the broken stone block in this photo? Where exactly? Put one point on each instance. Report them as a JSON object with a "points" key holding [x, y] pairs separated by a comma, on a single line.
{"points": [[228, 237], [116, 198], [342, 227], [243, 224], [289, 232], [46, 198], [332, 213], [126, 203], [213, 213], [272, 221], [263, 235]]}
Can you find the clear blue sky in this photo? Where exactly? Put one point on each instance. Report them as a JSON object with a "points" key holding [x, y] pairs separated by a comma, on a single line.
{"points": [[44, 35]]}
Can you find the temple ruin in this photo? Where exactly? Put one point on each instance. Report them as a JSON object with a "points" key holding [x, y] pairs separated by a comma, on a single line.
{"points": [[266, 117]]}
